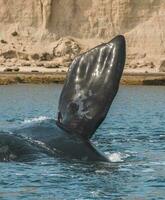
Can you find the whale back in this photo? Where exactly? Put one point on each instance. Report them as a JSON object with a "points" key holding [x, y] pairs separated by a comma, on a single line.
{"points": [[90, 87]]}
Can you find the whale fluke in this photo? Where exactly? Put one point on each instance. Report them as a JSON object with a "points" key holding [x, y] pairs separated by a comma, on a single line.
{"points": [[91, 85]]}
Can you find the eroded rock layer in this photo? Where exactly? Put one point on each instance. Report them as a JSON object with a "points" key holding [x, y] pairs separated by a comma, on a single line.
{"points": [[35, 28]]}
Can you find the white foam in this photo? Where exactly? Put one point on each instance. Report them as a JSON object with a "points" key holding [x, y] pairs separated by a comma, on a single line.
{"points": [[116, 157], [35, 119]]}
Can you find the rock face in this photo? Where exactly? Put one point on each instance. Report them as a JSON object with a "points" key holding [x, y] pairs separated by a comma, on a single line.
{"points": [[162, 66], [39, 21], [66, 47]]}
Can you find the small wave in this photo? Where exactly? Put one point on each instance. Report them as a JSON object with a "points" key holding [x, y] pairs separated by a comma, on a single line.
{"points": [[148, 170], [116, 157], [35, 119]]}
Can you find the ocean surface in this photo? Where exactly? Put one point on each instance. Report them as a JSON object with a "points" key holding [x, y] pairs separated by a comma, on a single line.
{"points": [[132, 136]]}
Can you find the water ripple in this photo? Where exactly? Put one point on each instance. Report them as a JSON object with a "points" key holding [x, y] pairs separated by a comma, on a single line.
{"points": [[132, 135]]}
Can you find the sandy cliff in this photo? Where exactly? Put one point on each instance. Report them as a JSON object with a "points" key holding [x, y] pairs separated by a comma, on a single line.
{"points": [[54, 31]]}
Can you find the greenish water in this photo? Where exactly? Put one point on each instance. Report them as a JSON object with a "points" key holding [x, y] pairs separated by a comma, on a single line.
{"points": [[133, 136]]}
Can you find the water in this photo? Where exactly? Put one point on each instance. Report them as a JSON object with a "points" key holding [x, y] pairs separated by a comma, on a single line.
{"points": [[133, 137]]}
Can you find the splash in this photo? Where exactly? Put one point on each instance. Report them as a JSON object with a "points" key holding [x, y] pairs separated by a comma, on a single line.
{"points": [[35, 119], [116, 157]]}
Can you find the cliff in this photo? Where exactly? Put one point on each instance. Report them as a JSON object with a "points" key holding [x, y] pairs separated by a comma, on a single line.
{"points": [[61, 29]]}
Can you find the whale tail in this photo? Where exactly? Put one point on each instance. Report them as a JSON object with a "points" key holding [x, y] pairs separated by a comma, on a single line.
{"points": [[90, 87]]}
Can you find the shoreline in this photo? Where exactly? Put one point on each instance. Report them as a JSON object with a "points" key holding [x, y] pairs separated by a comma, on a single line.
{"points": [[128, 78], [139, 78]]}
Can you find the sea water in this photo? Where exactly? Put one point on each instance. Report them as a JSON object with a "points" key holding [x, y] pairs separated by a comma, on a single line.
{"points": [[132, 136]]}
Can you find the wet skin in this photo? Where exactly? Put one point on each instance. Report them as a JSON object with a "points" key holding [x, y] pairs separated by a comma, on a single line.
{"points": [[90, 87]]}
